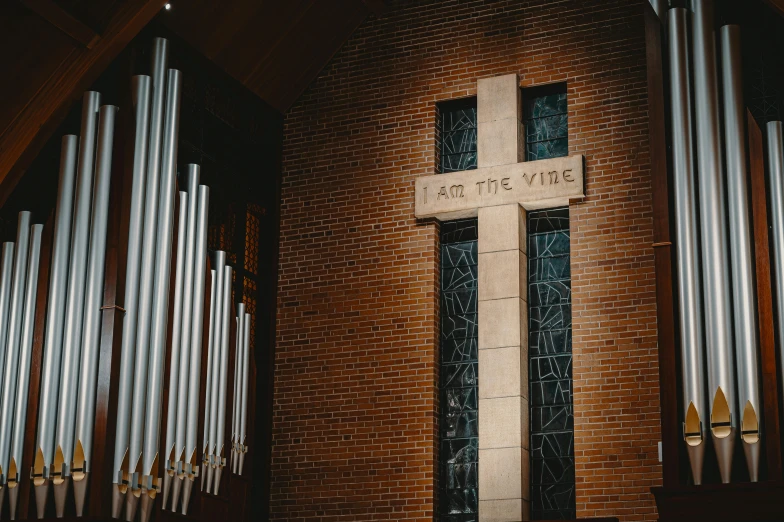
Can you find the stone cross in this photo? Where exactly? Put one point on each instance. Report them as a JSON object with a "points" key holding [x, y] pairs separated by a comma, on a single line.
{"points": [[499, 192]]}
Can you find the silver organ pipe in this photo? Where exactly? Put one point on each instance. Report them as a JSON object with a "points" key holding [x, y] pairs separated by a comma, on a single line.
{"points": [[722, 395], [141, 92], [171, 413], [742, 260], [55, 316], [245, 362], [6, 281], [144, 307], [211, 409], [72, 338], [160, 306], [11, 349], [660, 7], [91, 331], [25, 356], [687, 244], [192, 183], [235, 419], [208, 395], [196, 343], [223, 358]]}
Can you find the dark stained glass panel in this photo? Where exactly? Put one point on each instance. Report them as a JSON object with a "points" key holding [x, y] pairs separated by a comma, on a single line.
{"points": [[457, 127], [459, 496], [546, 122], [550, 365]]}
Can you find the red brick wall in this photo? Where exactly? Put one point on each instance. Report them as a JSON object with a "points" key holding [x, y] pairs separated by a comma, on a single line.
{"points": [[355, 414]]}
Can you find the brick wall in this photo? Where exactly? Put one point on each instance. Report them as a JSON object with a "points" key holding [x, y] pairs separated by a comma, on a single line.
{"points": [[355, 413]]}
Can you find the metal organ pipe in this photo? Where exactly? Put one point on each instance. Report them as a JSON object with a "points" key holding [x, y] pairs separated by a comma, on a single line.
{"points": [[55, 314], [141, 91], [744, 310], [687, 244], [197, 326], [207, 404], [6, 281], [214, 365], [192, 183], [713, 225], [72, 339], [775, 151], [660, 7], [222, 355], [235, 419], [160, 306], [11, 367], [171, 412], [91, 331], [244, 403], [144, 306], [25, 356]]}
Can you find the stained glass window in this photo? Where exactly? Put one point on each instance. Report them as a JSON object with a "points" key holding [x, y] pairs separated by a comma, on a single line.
{"points": [[546, 122], [459, 429], [457, 128], [550, 370]]}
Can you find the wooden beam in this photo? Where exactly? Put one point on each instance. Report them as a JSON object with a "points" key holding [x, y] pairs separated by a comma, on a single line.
{"points": [[63, 20], [776, 5], [767, 339], [657, 139], [34, 125]]}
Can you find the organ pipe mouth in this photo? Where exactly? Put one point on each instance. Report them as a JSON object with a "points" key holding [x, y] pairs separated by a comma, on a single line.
{"points": [[78, 464], [155, 481], [57, 467], [721, 418], [124, 478], [171, 465], [136, 487], [13, 474], [750, 425], [692, 428], [38, 469]]}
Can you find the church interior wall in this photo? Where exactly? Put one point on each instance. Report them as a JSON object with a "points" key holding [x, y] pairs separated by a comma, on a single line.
{"points": [[356, 404]]}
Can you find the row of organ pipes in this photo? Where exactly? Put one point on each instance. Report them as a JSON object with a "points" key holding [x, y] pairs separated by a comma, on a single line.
{"points": [[714, 257], [71, 344]]}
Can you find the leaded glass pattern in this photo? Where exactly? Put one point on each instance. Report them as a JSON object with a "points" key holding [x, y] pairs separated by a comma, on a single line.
{"points": [[458, 135], [545, 120], [550, 365], [459, 352]]}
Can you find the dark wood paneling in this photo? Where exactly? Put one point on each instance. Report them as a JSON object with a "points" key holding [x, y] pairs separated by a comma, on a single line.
{"points": [[777, 5], [39, 49], [41, 103], [767, 340], [275, 49], [668, 378], [63, 20], [746, 502], [94, 13]]}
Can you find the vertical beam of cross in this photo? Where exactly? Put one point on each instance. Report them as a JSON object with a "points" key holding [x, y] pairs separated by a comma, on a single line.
{"points": [[504, 458]]}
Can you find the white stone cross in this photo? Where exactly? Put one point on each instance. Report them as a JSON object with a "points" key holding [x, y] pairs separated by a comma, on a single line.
{"points": [[499, 192]]}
